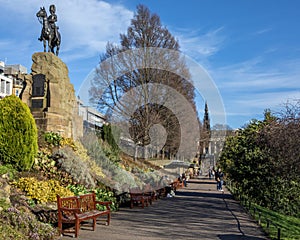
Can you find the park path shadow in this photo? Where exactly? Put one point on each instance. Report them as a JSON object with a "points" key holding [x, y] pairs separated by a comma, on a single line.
{"points": [[208, 195], [238, 237]]}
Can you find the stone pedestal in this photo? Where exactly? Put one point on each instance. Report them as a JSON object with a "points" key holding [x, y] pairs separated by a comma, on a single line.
{"points": [[51, 97]]}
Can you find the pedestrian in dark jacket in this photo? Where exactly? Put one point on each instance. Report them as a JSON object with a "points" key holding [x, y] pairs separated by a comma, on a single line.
{"points": [[219, 178]]}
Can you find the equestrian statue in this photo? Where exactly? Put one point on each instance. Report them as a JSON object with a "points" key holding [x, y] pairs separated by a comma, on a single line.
{"points": [[49, 31]]}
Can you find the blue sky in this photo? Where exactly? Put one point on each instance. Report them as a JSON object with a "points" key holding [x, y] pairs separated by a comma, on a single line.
{"points": [[250, 48]]}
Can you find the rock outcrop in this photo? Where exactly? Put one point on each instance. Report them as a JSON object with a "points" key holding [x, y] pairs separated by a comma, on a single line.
{"points": [[51, 97]]}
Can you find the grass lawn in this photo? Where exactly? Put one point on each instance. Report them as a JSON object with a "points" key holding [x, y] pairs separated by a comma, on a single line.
{"points": [[289, 226]]}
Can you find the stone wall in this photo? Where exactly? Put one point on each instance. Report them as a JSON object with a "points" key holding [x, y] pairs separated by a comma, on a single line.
{"points": [[51, 97]]}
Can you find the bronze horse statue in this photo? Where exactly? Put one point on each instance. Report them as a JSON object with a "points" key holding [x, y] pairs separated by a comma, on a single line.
{"points": [[49, 33]]}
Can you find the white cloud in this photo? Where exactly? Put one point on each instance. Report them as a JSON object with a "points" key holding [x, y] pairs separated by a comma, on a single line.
{"points": [[267, 100], [90, 24], [200, 45], [256, 74], [252, 86], [85, 26], [262, 31]]}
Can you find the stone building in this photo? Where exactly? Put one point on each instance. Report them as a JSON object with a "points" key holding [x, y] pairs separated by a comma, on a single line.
{"points": [[10, 81], [6, 83], [92, 119]]}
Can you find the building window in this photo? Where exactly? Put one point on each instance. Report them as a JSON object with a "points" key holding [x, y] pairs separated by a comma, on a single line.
{"points": [[2, 86], [8, 88]]}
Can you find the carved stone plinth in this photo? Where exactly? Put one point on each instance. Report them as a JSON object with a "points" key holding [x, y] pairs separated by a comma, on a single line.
{"points": [[51, 97]]}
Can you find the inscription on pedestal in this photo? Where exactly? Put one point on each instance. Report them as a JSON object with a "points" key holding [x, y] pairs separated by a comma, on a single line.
{"points": [[37, 103], [38, 86]]}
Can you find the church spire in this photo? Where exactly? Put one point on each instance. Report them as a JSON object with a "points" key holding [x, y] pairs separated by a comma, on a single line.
{"points": [[205, 134], [206, 120]]}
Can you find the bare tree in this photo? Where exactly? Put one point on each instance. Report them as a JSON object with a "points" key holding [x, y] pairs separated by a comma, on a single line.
{"points": [[283, 138], [145, 82]]}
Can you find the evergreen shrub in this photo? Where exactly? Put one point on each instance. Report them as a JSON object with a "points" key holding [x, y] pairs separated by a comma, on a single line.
{"points": [[18, 138]]}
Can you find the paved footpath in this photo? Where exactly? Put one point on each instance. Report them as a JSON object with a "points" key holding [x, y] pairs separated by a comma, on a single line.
{"points": [[198, 211]]}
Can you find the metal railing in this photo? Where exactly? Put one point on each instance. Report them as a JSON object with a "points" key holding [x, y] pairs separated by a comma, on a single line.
{"points": [[253, 210]]}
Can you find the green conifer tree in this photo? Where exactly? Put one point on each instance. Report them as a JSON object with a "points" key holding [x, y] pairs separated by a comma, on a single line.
{"points": [[18, 138]]}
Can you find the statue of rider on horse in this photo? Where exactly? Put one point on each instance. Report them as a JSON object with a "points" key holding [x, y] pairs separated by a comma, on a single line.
{"points": [[49, 31]]}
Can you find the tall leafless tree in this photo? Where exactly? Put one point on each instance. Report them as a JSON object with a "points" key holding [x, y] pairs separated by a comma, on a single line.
{"points": [[282, 136], [141, 82]]}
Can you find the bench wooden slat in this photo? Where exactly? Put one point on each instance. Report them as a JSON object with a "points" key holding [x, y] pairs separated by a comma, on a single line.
{"points": [[76, 209]]}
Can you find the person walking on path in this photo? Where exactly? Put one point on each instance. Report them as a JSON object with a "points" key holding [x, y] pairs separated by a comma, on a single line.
{"points": [[211, 173], [183, 177], [219, 178]]}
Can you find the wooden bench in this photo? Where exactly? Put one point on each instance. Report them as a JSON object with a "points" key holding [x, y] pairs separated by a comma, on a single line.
{"points": [[176, 185], [161, 192], [75, 209], [139, 197], [150, 192]]}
